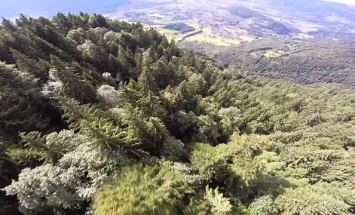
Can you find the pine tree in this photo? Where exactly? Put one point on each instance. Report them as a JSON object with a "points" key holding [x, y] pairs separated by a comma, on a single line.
{"points": [[7, 166], [73, 85], [113, 66], [150, 132], [23, 21], [22, 107], [8, 170], [63, 22], [141, 37], [29, 65], [59, 41], [162, 73], [8, 25], [47, 48], [172, 50], [92, 122], [148, 57], [97, 20], [122, 64], [188, 59], [48, 148], [149, 101], [139, 60]]}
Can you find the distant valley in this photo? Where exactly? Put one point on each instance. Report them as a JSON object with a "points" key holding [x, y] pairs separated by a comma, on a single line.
{"points": [[224, 23]]}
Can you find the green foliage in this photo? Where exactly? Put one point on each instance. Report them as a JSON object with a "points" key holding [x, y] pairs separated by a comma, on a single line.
{"points": [[7, 165], [174, 149], [22, 105], [48, 148], [263, 205], [321, 198], [213, 202], [93, 123], [73, 85], [28, 65], [220, 205], [143, 190], [237, 159]]}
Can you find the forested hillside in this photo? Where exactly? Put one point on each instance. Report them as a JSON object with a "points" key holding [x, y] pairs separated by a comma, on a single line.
{"points": [[108, 118], [304, 61]]}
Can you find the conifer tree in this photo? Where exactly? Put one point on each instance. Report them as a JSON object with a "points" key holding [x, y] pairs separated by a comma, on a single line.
{"points": [[92, 122], [139, 60], [148, 57], [163, 74], [73, 85], [122, 64], [29, 65], [172, 50], [188, 59], [60, 41], [21, 103], [113, 66], [8, 25]]}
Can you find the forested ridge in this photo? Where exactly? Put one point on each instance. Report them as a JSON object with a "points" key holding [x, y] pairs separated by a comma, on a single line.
{"points": [[306, 61], [105, 117]]}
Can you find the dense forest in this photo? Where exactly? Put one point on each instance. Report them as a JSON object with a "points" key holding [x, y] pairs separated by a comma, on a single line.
{"points": [[305, 61], [105, 117]]}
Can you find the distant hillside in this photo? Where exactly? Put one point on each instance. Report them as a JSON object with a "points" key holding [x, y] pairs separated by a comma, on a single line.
{"points": [[303, 61]]}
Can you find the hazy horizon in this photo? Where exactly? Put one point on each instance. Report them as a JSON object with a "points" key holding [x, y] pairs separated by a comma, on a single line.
{"points": [[350, 2], [12, 8]]}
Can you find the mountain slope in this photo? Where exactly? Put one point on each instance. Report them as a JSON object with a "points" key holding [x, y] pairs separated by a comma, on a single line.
{"points": [[303, 61]]}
